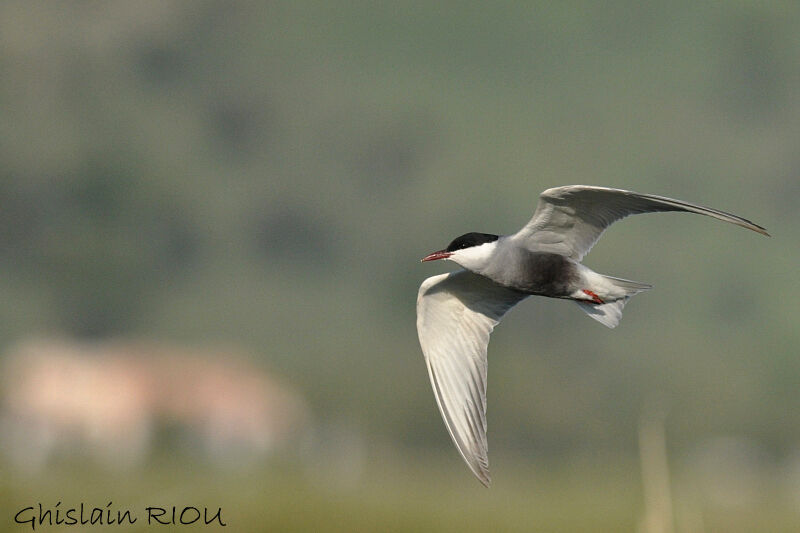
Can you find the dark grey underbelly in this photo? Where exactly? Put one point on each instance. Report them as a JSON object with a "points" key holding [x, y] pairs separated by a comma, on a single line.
{"points": [[543, 274]]}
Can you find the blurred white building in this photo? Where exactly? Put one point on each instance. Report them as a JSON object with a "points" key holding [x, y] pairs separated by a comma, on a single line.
{"points": [[110, 400]]}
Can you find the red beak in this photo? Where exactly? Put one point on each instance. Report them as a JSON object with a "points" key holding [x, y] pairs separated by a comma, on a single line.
{"points": [[441, 254]]}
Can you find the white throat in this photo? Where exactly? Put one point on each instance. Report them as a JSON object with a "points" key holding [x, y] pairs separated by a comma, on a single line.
{"points": [[475, 258]]}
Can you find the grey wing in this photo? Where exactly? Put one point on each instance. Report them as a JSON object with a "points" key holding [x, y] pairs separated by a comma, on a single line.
{"points": [[456, 313], [569, 220]]}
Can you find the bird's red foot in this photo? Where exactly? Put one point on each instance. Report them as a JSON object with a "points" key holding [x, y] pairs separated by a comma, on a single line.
{"points": [[595, 298]]}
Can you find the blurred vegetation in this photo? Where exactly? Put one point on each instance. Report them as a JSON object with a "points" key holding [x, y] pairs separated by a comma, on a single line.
{"points": [[583, 497], [271, 173]]}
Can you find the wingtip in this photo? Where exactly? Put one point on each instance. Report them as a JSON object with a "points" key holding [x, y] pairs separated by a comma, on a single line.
{"points": [[755, 227], [481, 472]]}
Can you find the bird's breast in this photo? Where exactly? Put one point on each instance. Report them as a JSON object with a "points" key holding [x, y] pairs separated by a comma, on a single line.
{"points": [[541, 273]]}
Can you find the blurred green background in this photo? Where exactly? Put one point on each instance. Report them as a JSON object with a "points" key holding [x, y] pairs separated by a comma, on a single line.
{"points": [[267, 175]]}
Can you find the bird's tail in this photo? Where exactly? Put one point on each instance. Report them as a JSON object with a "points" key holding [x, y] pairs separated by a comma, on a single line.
{"points": [[610, 313]]}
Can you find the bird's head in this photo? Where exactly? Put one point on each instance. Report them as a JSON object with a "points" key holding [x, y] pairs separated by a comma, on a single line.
{"points": [[472, 250]]}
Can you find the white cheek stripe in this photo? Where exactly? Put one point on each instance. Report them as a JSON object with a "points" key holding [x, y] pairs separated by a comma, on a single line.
{"points": [[475, 257]]}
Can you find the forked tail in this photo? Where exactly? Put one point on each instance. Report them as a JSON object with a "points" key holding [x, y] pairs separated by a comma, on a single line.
{"points": [[610, 313]]}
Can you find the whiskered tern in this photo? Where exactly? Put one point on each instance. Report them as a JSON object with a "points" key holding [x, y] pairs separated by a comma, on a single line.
{"points": [[456, 312]]}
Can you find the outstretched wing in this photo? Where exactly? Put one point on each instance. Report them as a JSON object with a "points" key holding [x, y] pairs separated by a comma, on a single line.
{"points": [[456, 312], [569, 220]]}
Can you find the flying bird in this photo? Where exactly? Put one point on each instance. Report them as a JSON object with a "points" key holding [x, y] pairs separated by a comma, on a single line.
{"points": [[456, 312]]}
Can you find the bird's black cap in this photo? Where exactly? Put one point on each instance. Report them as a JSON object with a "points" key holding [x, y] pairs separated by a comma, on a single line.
{"points": [[469, 240]]}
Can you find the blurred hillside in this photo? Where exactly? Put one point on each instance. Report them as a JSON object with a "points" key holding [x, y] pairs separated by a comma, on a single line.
{"points": [[271, 173]]}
